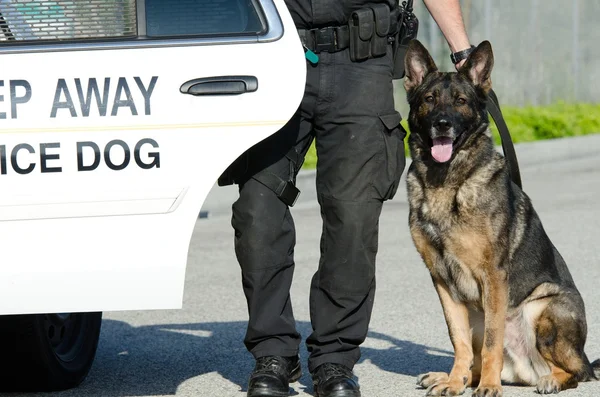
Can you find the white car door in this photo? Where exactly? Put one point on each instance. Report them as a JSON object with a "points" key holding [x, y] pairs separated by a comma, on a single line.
{"points": [[116, 119]]}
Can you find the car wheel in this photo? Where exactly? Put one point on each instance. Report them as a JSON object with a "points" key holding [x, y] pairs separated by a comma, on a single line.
{"points": [[47, 352]]}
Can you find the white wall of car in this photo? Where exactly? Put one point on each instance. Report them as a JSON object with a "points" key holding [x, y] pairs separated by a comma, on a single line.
{"points": [[104, 167], [102, 186]]}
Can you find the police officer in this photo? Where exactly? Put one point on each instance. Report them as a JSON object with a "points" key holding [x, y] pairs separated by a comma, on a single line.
{"points": [[348, 108]]}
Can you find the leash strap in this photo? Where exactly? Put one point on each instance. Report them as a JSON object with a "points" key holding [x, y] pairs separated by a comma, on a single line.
{"points": [[493, 107]]}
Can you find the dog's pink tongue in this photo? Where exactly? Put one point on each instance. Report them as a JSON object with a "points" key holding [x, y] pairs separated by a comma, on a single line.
{"points": [[441, 149]]}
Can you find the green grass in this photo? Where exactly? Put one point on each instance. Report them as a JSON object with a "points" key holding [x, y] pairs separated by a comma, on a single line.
{"points": [[549, 122], [531, 123]]}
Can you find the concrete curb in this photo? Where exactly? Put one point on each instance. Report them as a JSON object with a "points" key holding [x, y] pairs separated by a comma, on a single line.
{"points": [[529, 154]]}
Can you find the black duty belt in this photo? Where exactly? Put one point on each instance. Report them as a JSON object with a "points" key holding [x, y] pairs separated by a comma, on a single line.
{"points": [[329, 39]]}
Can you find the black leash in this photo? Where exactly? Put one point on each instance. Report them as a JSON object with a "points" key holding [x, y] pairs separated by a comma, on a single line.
{"points": [[507, 145]]}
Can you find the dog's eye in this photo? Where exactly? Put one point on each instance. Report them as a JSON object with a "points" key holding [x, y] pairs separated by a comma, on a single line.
{"points": [[429, 98], [461, 101]]}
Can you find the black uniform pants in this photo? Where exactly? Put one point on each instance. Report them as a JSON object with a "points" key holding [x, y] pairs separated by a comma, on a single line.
{"points": [[349, 109]]}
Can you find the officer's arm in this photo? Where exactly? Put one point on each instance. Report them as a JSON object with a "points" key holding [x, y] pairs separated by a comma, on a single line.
{"points": [[447, 14]]}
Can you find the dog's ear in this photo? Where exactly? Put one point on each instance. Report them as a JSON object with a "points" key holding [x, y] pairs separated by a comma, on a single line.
{"points": [[479, 64], [417, 64]]}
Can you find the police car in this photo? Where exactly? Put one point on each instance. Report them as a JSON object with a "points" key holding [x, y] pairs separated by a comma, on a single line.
{"points": [[116, 119]]}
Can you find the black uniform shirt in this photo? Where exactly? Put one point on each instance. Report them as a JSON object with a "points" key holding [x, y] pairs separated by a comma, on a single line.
{"points": [[308, 14]]}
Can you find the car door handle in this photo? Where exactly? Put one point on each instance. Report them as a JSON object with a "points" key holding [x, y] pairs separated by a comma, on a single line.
{"points": [[220, 85]]}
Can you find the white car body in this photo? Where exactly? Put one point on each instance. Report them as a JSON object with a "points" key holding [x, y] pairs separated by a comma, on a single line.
{"points": [[78, 236]]}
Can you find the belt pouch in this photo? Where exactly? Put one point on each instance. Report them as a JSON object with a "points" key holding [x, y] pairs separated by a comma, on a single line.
{"points": [[379, 42], [361, 31]]}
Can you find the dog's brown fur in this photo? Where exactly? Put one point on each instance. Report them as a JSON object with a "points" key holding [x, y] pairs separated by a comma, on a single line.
{"points": [[511, 307]]}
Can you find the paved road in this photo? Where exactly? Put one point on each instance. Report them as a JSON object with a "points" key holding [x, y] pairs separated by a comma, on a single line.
{"points": [[198, 351]]}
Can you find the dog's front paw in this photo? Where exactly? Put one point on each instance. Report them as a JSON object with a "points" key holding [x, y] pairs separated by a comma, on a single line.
{"points": [[450, 388], [431, 378], [488, 391]]}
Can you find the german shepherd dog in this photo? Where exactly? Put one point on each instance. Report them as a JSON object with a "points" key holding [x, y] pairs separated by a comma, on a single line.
{"points": [[511, 307]]}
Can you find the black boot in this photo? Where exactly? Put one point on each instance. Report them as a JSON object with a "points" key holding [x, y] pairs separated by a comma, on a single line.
{"points": [[334, 380], [272, 376]]}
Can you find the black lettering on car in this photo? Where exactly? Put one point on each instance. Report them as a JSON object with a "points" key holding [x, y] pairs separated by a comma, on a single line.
{"points": [[108, 160], [2, 114], [89, 96], [2, 159], [97, 156], [19, 92], [86, 101], [155, 156], [127, 102], [61, 88], [16, 158], [14, 162], [14, 98], [146, 93], [89, 156], [45, 156]]}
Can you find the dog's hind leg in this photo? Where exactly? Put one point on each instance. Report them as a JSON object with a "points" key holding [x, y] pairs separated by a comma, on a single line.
{"points": [[457, 320], [558, 380], [561, 332]]}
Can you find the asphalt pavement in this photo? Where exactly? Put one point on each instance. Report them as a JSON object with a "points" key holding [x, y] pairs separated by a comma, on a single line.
{"points": [[198, 350]]}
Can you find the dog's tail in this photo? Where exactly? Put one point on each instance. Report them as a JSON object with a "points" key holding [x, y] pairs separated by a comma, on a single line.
{"points": [[589, 371], [596, 369]]}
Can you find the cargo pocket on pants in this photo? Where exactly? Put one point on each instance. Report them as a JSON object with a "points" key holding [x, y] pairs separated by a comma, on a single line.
{"points": [[394, 158]]}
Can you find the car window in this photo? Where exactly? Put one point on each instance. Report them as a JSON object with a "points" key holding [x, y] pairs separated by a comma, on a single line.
{"points": [[26, 20], [66, 20], [201, 17]]}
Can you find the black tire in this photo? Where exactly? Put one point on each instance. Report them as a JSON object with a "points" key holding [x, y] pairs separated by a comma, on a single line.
{"points": [[47, 352]]}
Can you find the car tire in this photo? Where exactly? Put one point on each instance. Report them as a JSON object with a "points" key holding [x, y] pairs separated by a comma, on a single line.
{"points": [[47, 352]]}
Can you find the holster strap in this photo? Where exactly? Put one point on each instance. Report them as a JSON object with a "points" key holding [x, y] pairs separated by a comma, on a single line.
{"points": [[286, 190]]}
